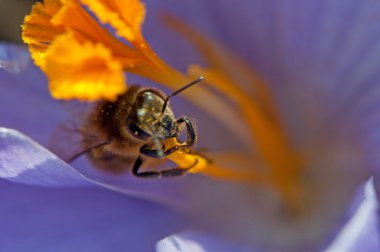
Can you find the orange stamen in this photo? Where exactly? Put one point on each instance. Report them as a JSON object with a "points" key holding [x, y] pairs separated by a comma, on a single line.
{"points": [[261, 117]]}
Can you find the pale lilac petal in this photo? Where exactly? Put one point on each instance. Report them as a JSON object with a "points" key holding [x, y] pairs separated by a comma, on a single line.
{"points": [[362, 232], [376, 181], [79, 219], [24, 161], [26, 105], [64, 219], [13, 58], [192, 241]]}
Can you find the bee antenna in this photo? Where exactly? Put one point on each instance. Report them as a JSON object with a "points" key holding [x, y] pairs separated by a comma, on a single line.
{"points": [[201, 78]]}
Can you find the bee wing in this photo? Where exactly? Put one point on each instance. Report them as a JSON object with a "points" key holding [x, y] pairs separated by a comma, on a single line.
{"points": [[72, 137]]}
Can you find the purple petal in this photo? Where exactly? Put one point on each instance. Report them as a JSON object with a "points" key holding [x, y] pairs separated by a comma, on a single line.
{"points": [[68, 219], [79, 219], [321, 57], [24, 161], [362, 232], [191, 241]]}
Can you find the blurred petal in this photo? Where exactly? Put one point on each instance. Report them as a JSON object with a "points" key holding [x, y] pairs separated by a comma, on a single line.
{"points": [[24, 161], [362, 232], [79, 219], [321, 57], [191, 241], [321, 60], [13, 58]]}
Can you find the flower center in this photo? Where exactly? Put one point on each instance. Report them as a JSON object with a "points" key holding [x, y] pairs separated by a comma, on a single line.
{"points": [[85, 61]]}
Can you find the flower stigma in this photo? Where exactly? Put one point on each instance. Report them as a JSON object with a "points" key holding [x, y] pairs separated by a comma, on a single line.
{"points": [[83, 60]]}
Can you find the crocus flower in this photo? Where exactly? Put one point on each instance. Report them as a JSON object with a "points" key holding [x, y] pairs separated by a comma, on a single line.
{"points": [[288, 113]]}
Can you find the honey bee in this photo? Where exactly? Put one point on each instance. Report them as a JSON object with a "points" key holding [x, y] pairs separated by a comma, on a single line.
{"points": [[132, 129]]}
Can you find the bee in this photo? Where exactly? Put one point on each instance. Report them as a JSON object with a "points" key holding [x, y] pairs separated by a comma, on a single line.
{"points": [[132, 130]]}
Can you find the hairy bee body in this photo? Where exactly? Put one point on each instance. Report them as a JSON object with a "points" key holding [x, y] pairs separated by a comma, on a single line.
{"points": [[129, 133], [109, 122]]}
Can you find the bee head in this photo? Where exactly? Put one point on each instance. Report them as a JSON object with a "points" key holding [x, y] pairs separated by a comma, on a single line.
{"points": [[148, 121]]}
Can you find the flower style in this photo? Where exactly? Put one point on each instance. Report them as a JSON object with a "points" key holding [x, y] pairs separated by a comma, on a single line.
{"points": [[304, 142]]}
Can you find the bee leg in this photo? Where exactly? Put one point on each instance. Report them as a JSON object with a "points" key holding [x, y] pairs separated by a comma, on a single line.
{"points": [[155, 153], [191, 136], [151, 174], [174, 172]]}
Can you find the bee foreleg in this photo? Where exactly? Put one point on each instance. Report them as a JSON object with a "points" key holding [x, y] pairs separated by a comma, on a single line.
{"points": [[151, 174], [191, 136], [155, 153], [174, 172]]}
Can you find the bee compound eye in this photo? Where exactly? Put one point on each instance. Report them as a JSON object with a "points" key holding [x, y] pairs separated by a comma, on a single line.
{"points": [[136, 131]]}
